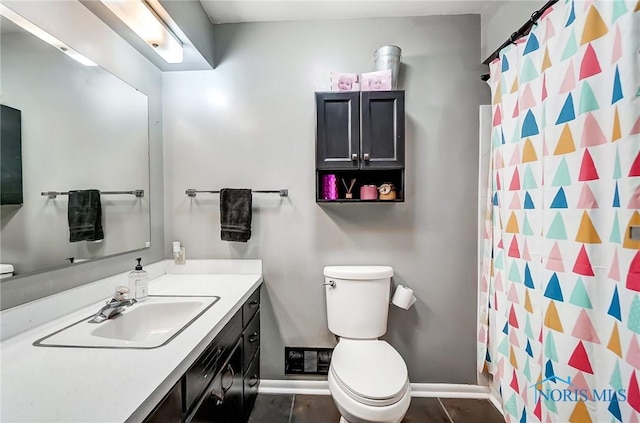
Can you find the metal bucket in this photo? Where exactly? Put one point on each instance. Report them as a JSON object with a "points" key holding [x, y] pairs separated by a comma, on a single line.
{"points": [[388, 57]]}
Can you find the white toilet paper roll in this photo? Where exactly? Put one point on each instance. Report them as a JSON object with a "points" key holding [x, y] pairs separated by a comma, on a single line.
{"points": [[403, 297]]}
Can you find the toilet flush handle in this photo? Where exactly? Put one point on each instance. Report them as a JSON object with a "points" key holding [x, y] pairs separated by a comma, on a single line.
{"points": [[331, 283]]}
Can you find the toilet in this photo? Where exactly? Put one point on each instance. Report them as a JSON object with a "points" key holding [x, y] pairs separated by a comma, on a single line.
{"points": [[368, 378]]}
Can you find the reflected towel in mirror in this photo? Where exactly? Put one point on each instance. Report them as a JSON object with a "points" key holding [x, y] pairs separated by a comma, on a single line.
{"points": [[85, 215]]}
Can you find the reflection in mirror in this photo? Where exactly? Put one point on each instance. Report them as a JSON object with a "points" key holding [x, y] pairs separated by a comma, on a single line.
{"points": [[81, 128]]}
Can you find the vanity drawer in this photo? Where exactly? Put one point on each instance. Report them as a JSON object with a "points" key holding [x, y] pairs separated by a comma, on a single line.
{"points": [[250, 307], [207, 365], [251, 337]]}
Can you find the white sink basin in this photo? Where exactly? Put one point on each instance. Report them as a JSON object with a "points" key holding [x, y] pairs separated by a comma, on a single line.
{"points": [[144, 325]]}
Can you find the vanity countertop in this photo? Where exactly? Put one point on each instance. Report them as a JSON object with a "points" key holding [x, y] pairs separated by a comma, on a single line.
{"points": [[48, 384]]}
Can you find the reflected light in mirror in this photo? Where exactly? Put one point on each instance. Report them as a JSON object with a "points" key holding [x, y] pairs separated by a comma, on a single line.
{"points": [[43, 35], [140, 17]]}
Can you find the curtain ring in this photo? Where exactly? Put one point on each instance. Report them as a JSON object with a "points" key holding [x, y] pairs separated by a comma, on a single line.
{"points": [[534, 17]]}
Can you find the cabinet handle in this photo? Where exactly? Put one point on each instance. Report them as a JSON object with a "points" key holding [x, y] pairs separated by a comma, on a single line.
{"points": [[354, 157], [253, 304], [366, 157], [254, 337], [254, 381], [217, 399], [231, 372]]}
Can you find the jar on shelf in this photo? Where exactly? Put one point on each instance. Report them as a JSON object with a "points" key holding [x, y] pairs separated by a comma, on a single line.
{"points": [[387, 191], [368, 192]]}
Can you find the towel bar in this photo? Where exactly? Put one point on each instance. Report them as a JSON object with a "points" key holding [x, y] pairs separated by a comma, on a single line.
{"points": [[282, 192], [137, 192]]}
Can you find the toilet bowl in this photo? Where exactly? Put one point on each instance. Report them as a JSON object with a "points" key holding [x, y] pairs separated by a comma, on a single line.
{"points": [[368, 379]]}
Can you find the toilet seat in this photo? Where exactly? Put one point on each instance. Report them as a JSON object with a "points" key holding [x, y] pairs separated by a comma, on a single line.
{"points": [[370, 401], [369, 371]]}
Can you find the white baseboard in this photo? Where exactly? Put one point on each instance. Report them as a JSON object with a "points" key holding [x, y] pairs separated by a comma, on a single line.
{"points": [[494, 397], [307, 387], [449, 390], [321, 387]]}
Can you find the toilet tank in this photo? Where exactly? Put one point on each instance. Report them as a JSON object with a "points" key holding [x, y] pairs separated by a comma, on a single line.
{"points": [[358, 300]]}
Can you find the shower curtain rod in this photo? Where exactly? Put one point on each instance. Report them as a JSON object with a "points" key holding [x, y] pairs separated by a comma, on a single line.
{"points": [[524, 30]]}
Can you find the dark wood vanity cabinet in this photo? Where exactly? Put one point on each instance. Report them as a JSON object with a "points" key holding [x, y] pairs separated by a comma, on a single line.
{"points": [[222, 401], [251, 351], [170, 408], [360, 135], [222, 384]]}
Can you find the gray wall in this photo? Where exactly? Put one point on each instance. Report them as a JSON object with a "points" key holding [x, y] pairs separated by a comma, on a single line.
{"points": [[250, 123], [500, 19], [74, 25]]}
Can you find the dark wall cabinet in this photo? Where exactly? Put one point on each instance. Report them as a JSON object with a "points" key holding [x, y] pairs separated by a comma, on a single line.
{"points": [[222, 384], [10, 156], [361, 136]]}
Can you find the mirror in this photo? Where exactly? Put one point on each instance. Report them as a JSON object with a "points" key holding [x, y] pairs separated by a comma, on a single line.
{"points": [[81, 128]]}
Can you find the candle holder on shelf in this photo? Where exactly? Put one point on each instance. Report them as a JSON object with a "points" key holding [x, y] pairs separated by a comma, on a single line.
{"points": [[387, 191], [329, 187]]}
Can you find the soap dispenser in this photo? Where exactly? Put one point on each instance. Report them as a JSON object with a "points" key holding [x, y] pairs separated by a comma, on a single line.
{"points": [[139, 282]]}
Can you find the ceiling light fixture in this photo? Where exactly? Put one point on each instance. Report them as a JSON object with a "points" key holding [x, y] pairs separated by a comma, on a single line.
{"points": [[145, 22], [43, 35]]}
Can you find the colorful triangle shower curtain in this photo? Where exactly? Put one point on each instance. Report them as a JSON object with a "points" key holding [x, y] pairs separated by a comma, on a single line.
{"points": [[559, 322]]}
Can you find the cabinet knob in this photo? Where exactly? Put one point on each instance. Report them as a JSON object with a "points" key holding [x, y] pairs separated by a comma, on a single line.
{"points": [[366, 157], [354, 157]]}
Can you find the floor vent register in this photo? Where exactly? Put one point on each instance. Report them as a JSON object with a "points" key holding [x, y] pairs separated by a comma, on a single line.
{"points": [[305, 360]]}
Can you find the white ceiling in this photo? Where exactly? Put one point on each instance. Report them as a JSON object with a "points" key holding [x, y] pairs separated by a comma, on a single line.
{"points": [[234, 11]]}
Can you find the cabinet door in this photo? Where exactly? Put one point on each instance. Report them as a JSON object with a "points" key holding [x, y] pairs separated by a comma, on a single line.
{"points": [[170, 409], [251, 340], [337, 130], [382, 130], [223, 400], [251, 385]]}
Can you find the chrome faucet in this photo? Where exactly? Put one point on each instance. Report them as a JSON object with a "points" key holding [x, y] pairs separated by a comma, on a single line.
{"points": [[114, 306]]}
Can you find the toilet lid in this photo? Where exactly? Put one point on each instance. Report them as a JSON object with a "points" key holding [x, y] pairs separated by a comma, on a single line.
{"points": [[358, 272], [370, 369]]}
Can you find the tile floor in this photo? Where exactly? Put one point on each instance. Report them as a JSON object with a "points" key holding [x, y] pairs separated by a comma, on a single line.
{"points": [[321, 409]]}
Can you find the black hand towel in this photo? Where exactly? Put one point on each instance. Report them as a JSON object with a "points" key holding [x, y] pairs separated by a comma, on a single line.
{"points": [[235, 214], [85, 216]]}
